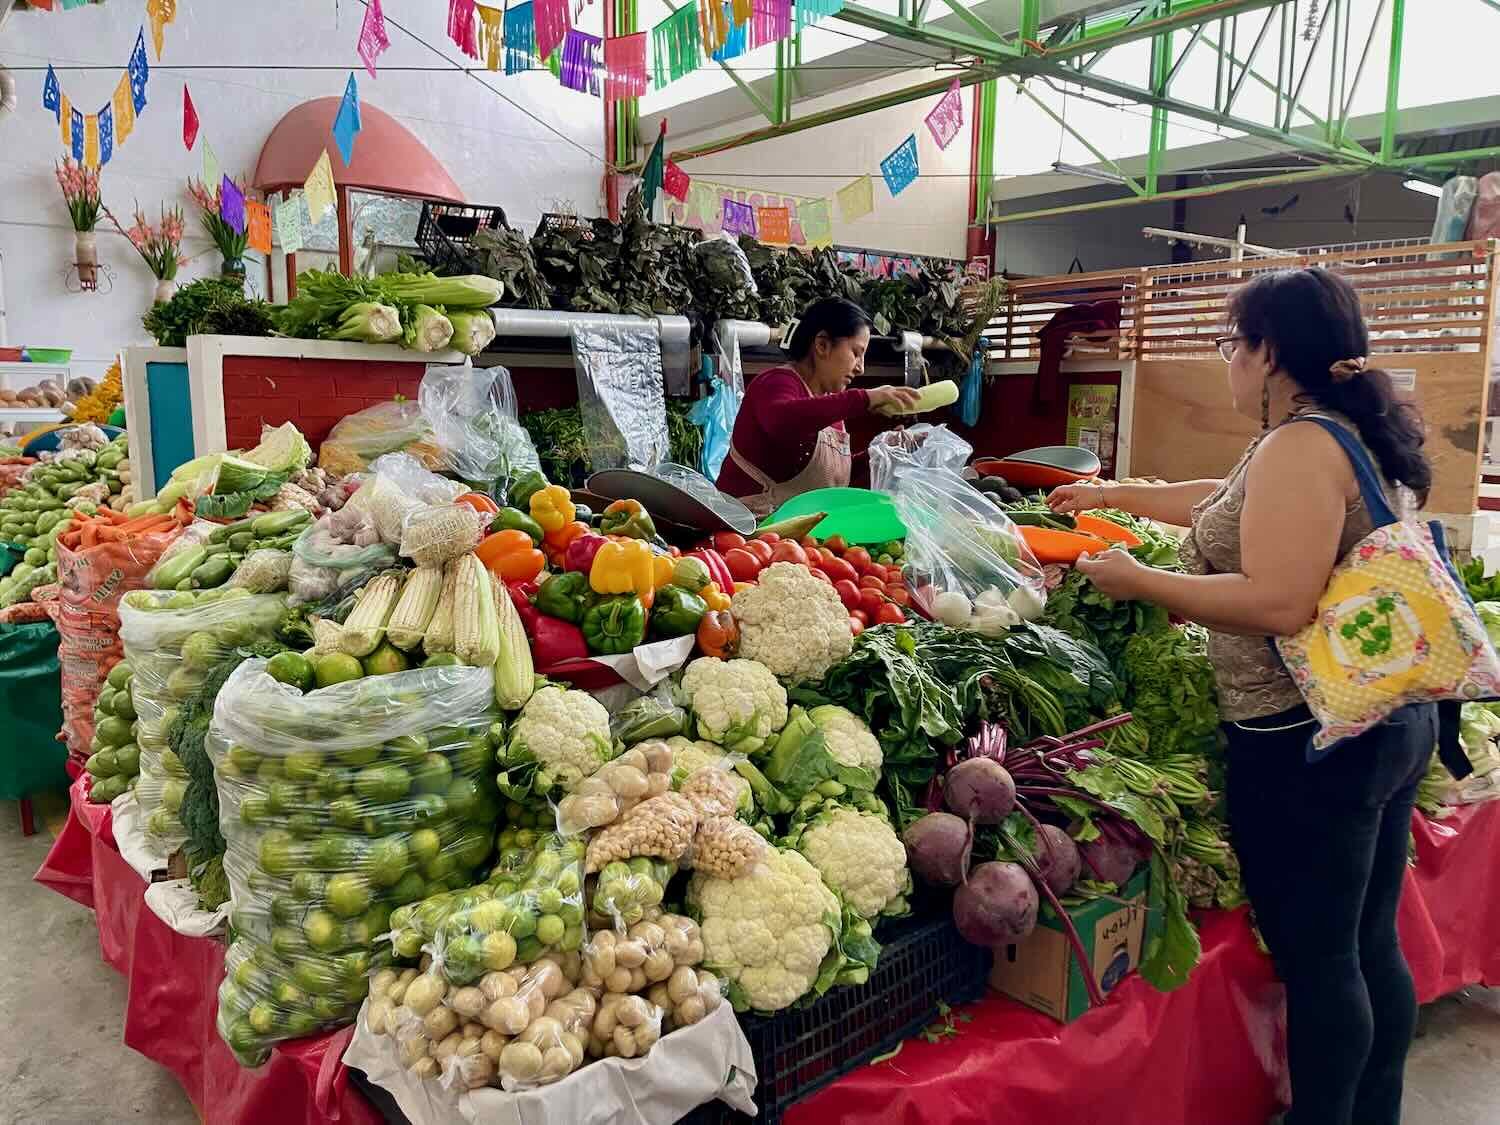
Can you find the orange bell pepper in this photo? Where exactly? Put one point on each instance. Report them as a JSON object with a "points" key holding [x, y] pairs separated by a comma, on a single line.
{"points": [[555, 543], [510, 555], [552, 507], [713, 597], [479, 502]]}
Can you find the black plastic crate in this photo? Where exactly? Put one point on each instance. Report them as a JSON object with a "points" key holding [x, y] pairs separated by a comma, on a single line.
{"points": [[446, 231], [922, 964], [553, 221]]}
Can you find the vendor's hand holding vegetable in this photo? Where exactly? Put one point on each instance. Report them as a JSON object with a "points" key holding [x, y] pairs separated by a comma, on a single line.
{"points": [[1115, 573]]}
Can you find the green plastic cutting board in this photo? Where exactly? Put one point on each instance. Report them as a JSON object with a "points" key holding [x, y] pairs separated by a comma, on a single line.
{"points": [[859, 515]]}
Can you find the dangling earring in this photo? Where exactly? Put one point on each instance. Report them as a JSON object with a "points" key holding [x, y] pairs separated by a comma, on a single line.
{"points": [[1265, 405]]}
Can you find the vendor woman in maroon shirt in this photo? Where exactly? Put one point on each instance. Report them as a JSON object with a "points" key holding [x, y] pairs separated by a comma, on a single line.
{"points": [[789, 437]]}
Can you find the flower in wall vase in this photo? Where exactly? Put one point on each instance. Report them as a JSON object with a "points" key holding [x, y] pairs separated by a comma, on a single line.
{"points": [[86, 257], [165, 287]]}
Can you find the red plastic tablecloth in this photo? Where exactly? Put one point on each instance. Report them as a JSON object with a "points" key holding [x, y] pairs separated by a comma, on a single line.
{"points": [[173, 997], [1211, 1051]]}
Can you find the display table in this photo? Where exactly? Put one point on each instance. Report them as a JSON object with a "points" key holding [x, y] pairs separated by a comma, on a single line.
{"points": [[173, 998], [1210, 1051]]}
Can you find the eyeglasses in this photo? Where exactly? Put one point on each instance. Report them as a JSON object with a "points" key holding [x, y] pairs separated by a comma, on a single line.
{"points": [[1226, 346]]}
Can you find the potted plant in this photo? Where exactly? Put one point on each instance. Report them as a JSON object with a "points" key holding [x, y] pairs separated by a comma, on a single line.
{"points": [[80, 188], [160, 247], [230, 242]]}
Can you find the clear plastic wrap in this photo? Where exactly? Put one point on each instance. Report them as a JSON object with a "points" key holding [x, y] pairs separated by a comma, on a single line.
{"points": [[626, 1026], [1484, 215], [174, 641], [959, 542], [472, 413], [728, 508], [263, 572], [531, 905], [1453, 209], [656, 714], [621, 395], [323, 562], [434, 534], [387, 427], [337, 807], [921, 446], [642, 772], [624, 890]]}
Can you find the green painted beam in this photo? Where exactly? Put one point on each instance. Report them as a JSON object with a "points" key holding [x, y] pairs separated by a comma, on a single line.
{"points": [[985, 165], [782, 109], [1446, 159], [1393, 81], [770, 113], [1182, 15], [1031, 23], [1185, 193], [976, 25], [1161, 60], [987, 49], [1129, 181]]}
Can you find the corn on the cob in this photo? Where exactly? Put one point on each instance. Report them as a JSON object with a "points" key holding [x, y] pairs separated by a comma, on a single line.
{"points": [[439, 635], [419, 599], [476, 629], [514, 674], [366, 624], [440, 533], [326, 635]]}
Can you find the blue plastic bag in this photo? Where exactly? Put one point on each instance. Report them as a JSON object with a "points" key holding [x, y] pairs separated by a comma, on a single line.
{"points": [[971, 391], [715, 415]]}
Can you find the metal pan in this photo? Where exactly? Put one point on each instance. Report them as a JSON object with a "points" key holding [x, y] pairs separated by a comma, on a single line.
{"points": [[669, 502], [1069, 458]]}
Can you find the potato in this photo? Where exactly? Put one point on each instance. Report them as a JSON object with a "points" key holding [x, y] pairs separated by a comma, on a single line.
{"points": [[618, 981], [659, 966], [468, 1047], [424, 994], [658, 995], [557, 1063], [623, 1041], [574, 1046], [648, 934], [492, 1043], [536, 1001], [381, 982], [440, 1023], [632, 1012], [396, 993], [497, 986], [634, 758], [658, 757], [472, 1030], [682, 984], [413, 1049], [478, 1071], [638, 981], [595, 786], [646, 1036], [447, 1048], [468, 1002], [602, 957], [378, 1016], [509, 1016], [543, 1032], [690, 1011], [426, 1069], [549, 979], [657, 784], [630, 954], [520, 1061], [605, 1022]]}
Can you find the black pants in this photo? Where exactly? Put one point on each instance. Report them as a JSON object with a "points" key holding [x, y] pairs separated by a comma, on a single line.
{"points": [[1322, 849]]}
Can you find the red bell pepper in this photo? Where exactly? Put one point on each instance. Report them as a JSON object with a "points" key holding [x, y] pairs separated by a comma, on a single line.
{"points": [[552, 640], [580, 553], [718, 569]]}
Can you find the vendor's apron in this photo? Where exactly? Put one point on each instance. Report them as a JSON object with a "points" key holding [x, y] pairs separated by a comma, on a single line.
{"points": [[829, 468]]}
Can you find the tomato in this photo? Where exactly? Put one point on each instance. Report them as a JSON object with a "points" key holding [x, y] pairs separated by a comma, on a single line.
{"points": [[814, 557], [808, 541], [890, 614], [836, 543], [727, 540], [837, 569], [855, 626], [848, 593], [870, 582], [821, 577], [861, 616], [770, 537], [895, 574], [870, 602], [760, 549], [857, 557], [899, 595], [744, 565], [788, 551]]}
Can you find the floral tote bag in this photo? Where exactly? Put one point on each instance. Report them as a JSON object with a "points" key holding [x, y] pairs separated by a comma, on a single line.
{"points": [[1395, 625]]}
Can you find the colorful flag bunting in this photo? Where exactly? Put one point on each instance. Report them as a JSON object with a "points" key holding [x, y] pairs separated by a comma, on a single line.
{"points": [[551, 20], [189, 119], [373, 40], [775, 225], [91, 141], [124, 105], [947, 117], [900, 167], [771, 23], [816, 222], [92, 138], [737, 42], [581, 59], [625, 66], [654, 171], [490, 38], [106, 134], [51, 92], [75, 134], [741, 11], [346, 122], [520, 38], [258, 233], [319, 188], [461, 26], [65, 119], [739, 218], [675, 182], [811, 11], [139, 70], [232, 205], [289, 225], [210, 164], [161, 13], [857, 199], [676, 48], [713, 24]]}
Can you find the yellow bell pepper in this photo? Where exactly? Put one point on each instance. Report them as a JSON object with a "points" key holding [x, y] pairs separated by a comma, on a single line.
{"points": [[713, 598], [662, 569], [552, 507], [623, 567]]}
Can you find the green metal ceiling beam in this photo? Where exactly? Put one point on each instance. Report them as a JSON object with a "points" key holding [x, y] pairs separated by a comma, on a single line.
{"points": [[976, 25], [1445, 159], [1161, 60], [1393, 81], [770, 113], [987, 48], [1129, 181], [1124, 31]]}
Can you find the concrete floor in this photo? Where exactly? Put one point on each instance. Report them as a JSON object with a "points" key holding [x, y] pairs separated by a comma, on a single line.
{"points": [[64, 1064]]}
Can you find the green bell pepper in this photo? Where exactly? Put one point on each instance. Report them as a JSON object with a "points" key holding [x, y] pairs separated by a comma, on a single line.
{"points": [[518, 492], [628, 518], [513, 519], [565, 596], [615, 625], [675, 612]]}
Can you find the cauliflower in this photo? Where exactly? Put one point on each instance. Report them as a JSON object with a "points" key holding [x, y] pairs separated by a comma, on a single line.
{"points": [[849, 740], [564, 732], [859, 856], [737, 703], [767, 932], [689, 756], [792, 623]]}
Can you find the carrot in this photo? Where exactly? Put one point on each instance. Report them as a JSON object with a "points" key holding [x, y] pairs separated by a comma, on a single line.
{"points": [[90, 535], [144, 525], [1051, 546], [70, 539], [1106, 529]]}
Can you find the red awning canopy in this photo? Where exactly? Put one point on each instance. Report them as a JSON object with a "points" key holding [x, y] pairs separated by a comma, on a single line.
{"points": [[387, 157]]}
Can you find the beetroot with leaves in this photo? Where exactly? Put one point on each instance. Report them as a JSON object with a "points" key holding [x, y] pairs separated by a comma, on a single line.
{"points": [[937, 847], [1111, 861], [1057, 859], [980, 789], [997, 906]]}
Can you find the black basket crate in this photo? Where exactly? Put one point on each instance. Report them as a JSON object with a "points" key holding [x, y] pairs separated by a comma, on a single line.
{"points": [[922, 964], [446, 230], [553, 221]]}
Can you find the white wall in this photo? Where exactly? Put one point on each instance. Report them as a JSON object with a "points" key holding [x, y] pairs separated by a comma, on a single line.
{"points": [[495, 151], [928, 217]]}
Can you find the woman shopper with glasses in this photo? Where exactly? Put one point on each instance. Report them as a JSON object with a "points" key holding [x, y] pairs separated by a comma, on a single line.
{"points": [[1322, 846]]}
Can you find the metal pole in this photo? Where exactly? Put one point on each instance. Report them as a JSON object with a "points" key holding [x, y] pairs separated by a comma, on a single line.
{"points": [[1161, 65], [1393, 82]]}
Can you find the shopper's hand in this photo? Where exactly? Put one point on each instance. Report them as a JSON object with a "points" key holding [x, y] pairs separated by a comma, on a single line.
{"points": [[1114, 573], [1069, 498], [899, 400]]}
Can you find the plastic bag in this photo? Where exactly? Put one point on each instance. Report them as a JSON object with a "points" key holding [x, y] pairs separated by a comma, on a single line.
{"points": [[174, 641], [1453, 209], [263, 572], [715, 415], [1484, 216], [614, 789], [920, 446], [960, 542], [472, 413], [434, 534], [322, 564], [337, 807], [621, 397], [388, 427], [626, 889], [657, 714], [971, 391], [728, 508], [397, 486]]}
